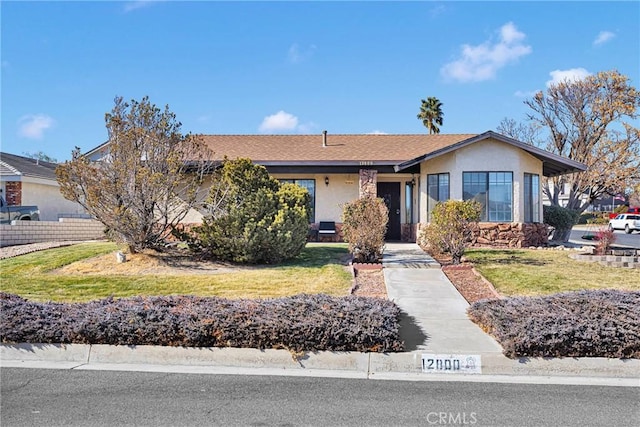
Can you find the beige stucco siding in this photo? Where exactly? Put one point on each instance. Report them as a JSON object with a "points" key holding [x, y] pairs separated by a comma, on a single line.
{"points": [[49, 200], [342, 188], [487, 155]]}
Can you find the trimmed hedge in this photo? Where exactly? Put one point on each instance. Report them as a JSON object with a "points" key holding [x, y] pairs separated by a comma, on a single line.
{"points": [[298, 323], [603, 323]]}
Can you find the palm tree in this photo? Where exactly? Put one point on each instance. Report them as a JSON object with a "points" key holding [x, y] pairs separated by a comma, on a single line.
{"points": [[431, 114]]}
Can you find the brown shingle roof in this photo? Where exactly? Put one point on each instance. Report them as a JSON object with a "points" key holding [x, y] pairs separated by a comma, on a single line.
{"points": [[340, 148]]}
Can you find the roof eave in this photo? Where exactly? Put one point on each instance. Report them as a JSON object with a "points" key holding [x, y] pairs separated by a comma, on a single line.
{"points": [[561, 165]]}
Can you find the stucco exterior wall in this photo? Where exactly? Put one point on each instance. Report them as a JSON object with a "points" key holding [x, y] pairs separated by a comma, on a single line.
{"points": [[329, 199], [487, 155], [49, 200], [43, 193]]}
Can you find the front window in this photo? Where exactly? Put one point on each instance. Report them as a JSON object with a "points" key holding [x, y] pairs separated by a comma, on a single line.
{"points": [[531, 198], [494, 192], [408, 201], [437, 190], [310, 185]]}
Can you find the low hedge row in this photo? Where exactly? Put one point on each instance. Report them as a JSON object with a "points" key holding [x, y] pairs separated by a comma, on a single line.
{"points": [[603, 323], [298, 323]]}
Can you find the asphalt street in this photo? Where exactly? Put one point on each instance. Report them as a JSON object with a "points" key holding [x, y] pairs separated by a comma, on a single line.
{"points": [[100, 398], [622, 239]]}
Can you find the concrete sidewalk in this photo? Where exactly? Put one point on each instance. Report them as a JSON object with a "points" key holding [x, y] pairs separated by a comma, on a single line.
{"points": [[435, 322], [432, 303]]}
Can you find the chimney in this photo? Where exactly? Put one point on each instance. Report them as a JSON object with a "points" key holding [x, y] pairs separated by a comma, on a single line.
{"points": [[324, 138]]}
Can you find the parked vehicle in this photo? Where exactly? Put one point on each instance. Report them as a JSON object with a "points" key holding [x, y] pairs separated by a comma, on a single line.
{"points": [[631, 210], [23, 213], [626, 222]]}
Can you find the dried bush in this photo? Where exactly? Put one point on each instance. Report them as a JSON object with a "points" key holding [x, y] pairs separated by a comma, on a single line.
{"points": [[298, 323], [602, 323], [364, 224], [450, 229], [605, 239]]}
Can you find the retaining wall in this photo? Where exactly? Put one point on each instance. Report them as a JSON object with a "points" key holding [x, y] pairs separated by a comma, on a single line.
{"points": [[65, 229]]}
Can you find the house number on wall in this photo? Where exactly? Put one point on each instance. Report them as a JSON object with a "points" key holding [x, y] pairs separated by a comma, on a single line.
{"points": [[366, 163]]}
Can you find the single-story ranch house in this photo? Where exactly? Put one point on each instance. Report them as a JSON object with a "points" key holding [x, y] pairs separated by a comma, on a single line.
{"points": [[27, 181], [411, 173]]}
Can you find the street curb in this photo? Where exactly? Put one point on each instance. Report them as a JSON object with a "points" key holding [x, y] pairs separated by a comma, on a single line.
{"points": [[350, 364]]}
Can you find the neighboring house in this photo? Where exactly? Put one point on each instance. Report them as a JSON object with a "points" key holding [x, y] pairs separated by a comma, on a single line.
{"points": [[410, 172], [26, 181], [563, 196]]}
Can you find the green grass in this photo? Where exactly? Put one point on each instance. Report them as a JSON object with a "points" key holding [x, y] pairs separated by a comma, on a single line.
{"points": [[318, 269], [543, 272]]}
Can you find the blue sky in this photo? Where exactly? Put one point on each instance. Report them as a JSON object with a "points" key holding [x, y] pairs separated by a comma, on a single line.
{"points": [[295, 67]]}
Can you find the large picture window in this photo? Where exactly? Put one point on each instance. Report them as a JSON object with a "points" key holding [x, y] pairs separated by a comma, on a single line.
{"points": [[494, 192], [437, 191], [310, 185], [531, 197]]}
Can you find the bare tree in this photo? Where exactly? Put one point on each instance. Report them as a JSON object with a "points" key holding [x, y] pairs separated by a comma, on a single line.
{"points": [[585, 121], [148, 180], [525, 132]]}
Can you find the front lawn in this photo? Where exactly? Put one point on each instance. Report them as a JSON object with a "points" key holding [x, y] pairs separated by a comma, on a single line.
{"points": [[530, 272], [38, 276]]}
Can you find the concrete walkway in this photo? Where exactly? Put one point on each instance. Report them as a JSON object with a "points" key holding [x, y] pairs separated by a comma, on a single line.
{"points": [[418, 286]]}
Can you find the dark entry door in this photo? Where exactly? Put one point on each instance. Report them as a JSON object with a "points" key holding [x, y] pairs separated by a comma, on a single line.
{"points": [[390, 193]]}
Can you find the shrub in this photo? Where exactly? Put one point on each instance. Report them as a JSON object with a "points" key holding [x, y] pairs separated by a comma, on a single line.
{"points": [[298, 323], [605, 239], [561, 219], [364, 224], [602, 323], [450, 229], [251, 217]]}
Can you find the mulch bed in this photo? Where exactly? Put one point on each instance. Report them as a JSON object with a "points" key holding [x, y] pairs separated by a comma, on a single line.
{"points": [[370, 282], [467, 281]]}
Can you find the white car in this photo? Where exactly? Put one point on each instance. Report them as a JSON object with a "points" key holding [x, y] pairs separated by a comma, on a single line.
{"points": [[626, 222]]}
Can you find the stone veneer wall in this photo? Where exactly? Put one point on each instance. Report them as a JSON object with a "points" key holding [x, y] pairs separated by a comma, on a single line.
{"points": [[368, 183], [408, 232], [511, 235], [66, 229]]}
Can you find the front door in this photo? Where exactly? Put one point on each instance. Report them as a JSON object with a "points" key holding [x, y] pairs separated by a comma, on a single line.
{"points": [[390, 193]]}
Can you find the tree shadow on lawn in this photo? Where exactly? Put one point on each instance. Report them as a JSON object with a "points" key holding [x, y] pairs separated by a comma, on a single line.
{"points": [[412, 335], [509, 257]]}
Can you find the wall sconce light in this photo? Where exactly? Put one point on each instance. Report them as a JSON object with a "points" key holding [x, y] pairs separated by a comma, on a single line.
{"points": [[326, 181], [413, 181]]}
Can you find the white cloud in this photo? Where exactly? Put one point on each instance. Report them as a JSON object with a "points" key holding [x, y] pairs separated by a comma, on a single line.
{"points": [[436, 11], [297, 55], [525, 93], [138, 4], [280, 121], [571, 75], [603, 37], [482, 62], [377, 132], [32, 126]]}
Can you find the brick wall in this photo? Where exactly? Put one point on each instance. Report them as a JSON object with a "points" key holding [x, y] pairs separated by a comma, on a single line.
{"points": [[65, 229], [14, 193]]}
